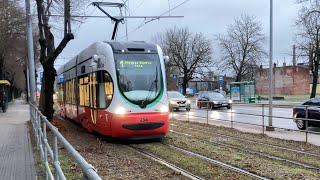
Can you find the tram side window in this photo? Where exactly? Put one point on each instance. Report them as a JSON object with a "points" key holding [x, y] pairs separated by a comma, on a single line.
{"points": [[86, 91], [105, 89], [82, 91], [108, 89], [93, 90], [70, 92], [60, 92]]}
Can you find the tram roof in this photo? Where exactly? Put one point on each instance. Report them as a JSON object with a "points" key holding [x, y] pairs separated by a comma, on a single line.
{"points": [[132, 46]]}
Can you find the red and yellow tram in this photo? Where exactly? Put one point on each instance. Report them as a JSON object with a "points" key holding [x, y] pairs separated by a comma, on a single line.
{"points": [[116, 89]]}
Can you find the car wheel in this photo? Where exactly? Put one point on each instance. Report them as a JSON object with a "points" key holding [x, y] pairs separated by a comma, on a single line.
{"points": [[188, 109], [210, 106], [301, 124], [198, 105], [228, 107]]}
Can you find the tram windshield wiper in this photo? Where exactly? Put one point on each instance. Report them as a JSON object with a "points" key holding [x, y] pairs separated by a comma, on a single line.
{"points": [[154, 84]]}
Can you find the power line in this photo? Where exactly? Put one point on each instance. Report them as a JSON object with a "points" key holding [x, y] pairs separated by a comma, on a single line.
{"points": [[137, 7], [133, 17], [146, 22]]}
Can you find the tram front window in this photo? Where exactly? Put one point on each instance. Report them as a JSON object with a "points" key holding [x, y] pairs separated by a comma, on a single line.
{"points": [[139, 77]]}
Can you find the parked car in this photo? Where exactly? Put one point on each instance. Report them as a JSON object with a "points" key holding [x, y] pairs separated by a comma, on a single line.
{"points": [[212, 100], [313, 106], [177, 101]]}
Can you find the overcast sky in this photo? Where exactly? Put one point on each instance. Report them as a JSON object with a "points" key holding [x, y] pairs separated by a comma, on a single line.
{"points": [[210, 17]]}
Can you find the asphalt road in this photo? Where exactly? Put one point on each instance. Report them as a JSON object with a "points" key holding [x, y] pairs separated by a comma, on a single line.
{"points": [[244, 114]]}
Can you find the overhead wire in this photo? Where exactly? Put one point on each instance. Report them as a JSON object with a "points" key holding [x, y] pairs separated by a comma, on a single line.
{"points": [[146, 22], [137, 7]]}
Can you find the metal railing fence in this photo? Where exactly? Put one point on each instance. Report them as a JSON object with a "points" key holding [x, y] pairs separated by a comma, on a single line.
{"points": [[263, 116], [40, 125]]}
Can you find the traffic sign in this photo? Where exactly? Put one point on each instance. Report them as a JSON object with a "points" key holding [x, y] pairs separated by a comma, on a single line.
{"points": [[220, 80], [174, 77]]}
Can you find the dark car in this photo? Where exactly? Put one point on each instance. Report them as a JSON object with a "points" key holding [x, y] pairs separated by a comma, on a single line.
{"points": [[313, 106], [212, 100]]}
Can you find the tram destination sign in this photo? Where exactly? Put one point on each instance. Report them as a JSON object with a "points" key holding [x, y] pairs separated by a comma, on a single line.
{"points": [[136, 64]]}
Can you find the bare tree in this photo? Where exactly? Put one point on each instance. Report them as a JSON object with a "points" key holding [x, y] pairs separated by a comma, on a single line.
{"points": [[12, 44], [308, 38], [48, 51], [242, 47], [187, 51]]}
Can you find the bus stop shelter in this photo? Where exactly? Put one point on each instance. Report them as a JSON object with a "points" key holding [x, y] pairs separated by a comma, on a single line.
{"points": [[243, 91]]}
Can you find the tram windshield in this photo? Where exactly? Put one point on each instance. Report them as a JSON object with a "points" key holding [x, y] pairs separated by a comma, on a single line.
{"points": [[139, 77]]}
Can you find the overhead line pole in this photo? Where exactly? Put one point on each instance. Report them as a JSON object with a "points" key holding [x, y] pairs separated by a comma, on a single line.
{"points": [[31, 68], [270, 127]]}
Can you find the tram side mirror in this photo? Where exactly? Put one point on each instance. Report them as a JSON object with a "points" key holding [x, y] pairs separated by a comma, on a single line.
{"points": [[95, 58], [166, 59]]}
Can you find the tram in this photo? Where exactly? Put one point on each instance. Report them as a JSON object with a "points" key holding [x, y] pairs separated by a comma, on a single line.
{"points": [[116, 89]]}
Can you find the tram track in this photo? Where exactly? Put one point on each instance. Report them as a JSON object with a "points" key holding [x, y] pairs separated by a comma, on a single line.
{"points": [[250, 151], [187, 173], [238, 148], [249, 141], [165, 163], [218, 163]]}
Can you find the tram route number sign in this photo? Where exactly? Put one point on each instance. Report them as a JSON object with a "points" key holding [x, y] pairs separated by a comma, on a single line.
{"points": [[136, 64]]}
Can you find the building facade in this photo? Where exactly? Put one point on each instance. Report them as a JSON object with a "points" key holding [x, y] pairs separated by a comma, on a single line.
{"points": [[287, 80]]}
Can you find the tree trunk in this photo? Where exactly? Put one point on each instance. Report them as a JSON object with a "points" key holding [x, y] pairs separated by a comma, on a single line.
{"points": [[238, 78], [314, 82], [46, 98], [184, 88]]}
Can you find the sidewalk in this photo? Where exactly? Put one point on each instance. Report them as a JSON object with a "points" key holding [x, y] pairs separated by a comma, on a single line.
{"points": [[16, 157]]}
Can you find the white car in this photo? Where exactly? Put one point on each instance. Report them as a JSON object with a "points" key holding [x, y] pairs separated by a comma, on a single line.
{"points": [[177, 101]]}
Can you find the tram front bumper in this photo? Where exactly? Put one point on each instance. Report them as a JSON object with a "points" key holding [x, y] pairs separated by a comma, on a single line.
{"points": [[146, 124]]}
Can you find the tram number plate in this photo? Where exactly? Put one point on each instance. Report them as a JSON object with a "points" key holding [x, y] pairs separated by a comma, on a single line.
{"points": [[100, 65], [144, 119]]}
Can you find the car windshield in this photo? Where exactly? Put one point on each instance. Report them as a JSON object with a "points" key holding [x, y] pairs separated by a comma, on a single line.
{"points": [[139, 77], [175, 95], [215, 95]]}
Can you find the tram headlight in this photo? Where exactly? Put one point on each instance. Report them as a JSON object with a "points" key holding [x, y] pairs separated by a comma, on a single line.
{"points": [[164, 109], [120, 110]]}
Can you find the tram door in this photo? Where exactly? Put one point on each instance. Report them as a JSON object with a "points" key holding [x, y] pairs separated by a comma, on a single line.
{"points": [[93, 97]]}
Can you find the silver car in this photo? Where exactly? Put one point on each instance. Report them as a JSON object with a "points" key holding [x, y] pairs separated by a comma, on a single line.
{"points": [[177, 101]]}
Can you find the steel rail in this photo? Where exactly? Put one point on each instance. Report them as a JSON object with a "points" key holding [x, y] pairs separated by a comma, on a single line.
{"points": [[308, 166], [248, 140], [216, 162], [163, 162]]}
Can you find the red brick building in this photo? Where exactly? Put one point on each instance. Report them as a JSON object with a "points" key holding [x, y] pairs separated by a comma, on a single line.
{"points": [[287, 80]]}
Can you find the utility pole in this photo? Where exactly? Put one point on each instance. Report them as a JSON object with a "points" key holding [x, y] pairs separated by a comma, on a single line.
{"points": [[169, 8], [270, 127], [32, 84], [126, 19]]}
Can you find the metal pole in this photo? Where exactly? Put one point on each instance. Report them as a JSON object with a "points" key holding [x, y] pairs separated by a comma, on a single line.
{"points": [[125, 14], [28, 83], [32, 83], [270, 128], [188, 115], [169, 8], [55, 156], [231, 117], [263, 119], [44, 140], [208, 113], [306, 119]]}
